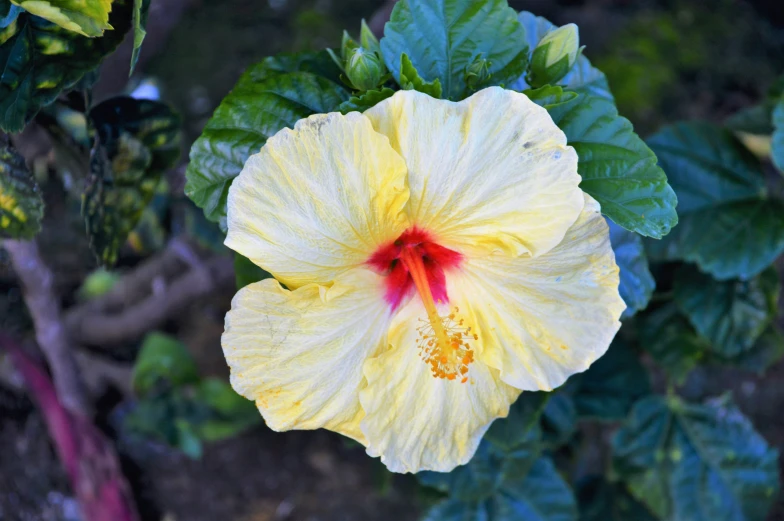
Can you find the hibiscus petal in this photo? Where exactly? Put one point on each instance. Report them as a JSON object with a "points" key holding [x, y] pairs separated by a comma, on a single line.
{"points": [[299, 354], [318, 199], [541, 320], [490, 173], [415, 421]]}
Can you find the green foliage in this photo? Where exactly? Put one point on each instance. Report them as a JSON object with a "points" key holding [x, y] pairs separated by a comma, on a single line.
{"points": [[141, 10], [672, 343], [178, 407], [364, 101], [609, 388], [247, 272], [637, 283], [85, 18], [583, 77], [732, 314], [728, 224], [550, 96], [777, 145], [162, 357], [617, 167], [40, 60], [135, 142], [559, 420], [266, 99], [508, 478], [696, 462], [444, 37], [21, 206], [409, 79], [767, 350], [601, 500]]}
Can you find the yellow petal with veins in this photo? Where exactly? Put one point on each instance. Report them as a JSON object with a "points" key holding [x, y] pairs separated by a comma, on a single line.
{"points": [[318, 200], [490, 173], [299, 354], [415, 421], [544, 319]]}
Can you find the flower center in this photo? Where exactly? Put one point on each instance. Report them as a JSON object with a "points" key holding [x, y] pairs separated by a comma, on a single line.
{"points": [[415, 262]]}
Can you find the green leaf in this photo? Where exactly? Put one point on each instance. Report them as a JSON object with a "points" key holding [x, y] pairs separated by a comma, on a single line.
{"points": [[86, 18], [541, 495], [728, 225], [365, 100], [444, 37], [21, 206], [617, 167], [583, 78], [672, 343], [733, 240], [508, 449], [411, 80], [550, 96], [753, 120], [141, 10], [559, 420], [707, 166], [609, 388], [512, 431], [601, 500], [777, 145], [637, 283], [188, 439], [135, 142], [318, 63], [254, 111], [246, 272], [232, 413], [696, 462], [456, 510], [40, 60], [730, 314], [766, 351], [163, 358], [538, 494]]}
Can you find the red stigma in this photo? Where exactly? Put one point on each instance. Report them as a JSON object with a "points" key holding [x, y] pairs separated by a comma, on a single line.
{"points": [[399, 282]]}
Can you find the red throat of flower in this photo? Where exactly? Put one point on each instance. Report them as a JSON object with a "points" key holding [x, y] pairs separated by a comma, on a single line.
{"points": [[414, 261]]}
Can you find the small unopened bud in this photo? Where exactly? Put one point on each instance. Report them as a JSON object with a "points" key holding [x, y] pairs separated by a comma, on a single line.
{"points": [[555, 55], [364, 69]]}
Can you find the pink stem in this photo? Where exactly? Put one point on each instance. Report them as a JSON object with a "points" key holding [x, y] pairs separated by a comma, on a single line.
{"points": [[89, 459]]}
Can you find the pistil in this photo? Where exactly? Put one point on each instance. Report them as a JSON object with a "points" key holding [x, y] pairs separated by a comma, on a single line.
{"points": [[443, 340]]}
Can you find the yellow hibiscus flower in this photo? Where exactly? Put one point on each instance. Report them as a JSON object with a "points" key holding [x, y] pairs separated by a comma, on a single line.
{"points": [[440, 258]]}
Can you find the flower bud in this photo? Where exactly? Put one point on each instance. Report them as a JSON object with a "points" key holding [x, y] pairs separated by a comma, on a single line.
{"points": [[555, 55], [364, 68]]}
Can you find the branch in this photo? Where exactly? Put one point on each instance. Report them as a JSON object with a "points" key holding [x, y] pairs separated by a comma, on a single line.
{"points": [[138, 283], [37, 285], [88, 458], [102, 324]]}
